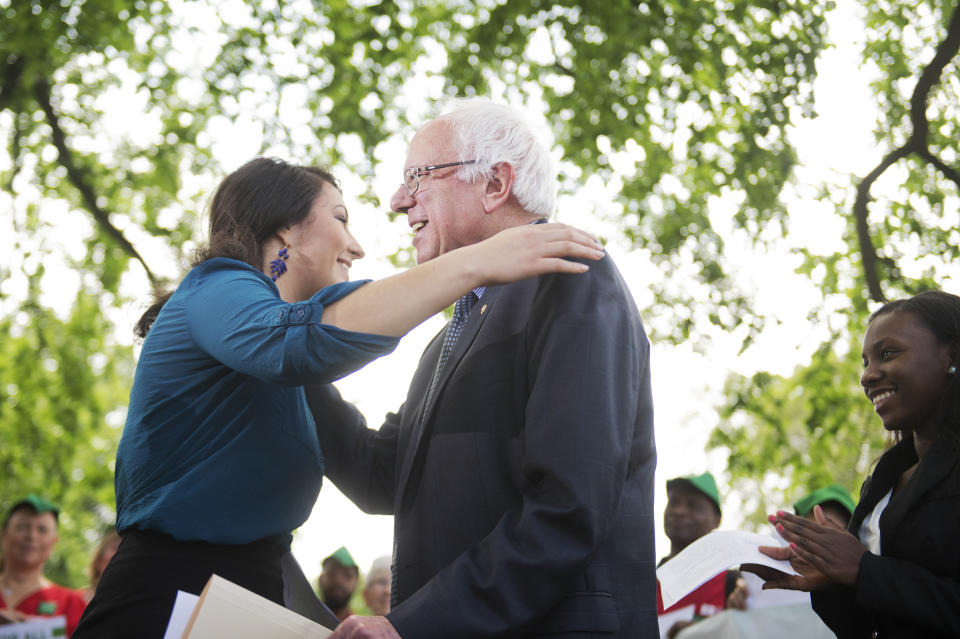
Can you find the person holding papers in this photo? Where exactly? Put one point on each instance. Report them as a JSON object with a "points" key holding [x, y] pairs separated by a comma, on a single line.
{"points": [[693, 510], [895, 571], [219, 459]]}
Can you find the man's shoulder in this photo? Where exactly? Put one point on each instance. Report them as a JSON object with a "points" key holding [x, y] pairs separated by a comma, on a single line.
{"points": [[601, 281]]}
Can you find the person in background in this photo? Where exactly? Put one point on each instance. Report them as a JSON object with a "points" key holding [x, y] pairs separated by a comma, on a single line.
{"points": [[693, 510], [834, 500], [894, 572], [376, 587], [519, 470], [29, 537], [338, 581], [219, 458], [105, 551]]}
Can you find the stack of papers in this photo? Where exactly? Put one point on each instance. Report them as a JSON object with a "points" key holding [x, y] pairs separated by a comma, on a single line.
{"points": [[225, 609]]}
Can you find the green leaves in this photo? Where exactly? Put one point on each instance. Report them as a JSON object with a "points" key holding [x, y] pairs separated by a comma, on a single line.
{"points": [[787, 436], [63, 394], [113, 114], [701, 91]]}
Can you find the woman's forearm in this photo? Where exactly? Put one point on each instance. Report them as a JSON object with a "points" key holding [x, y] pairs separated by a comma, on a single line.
{"points": [[393, 306]]}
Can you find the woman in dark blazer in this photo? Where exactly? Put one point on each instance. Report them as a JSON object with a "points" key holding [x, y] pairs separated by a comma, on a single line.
{"points": [[895, 571]]}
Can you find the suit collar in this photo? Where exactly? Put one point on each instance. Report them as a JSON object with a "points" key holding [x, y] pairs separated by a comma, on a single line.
{"points": [[935, 466]]}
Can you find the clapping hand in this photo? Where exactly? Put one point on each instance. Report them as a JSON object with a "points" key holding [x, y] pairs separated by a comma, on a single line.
{"points": [[821, 551]]}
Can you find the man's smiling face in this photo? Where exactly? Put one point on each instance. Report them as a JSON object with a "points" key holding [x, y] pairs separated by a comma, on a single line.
{"points": [[442, 210]]}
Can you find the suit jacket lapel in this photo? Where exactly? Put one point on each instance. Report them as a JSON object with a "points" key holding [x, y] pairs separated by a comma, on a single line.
{"points": [[468, 334], [893, 462], [416, 400], [935, 466]]}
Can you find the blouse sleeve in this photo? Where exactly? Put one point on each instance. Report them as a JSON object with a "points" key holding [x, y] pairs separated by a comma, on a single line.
{"points": [[235, 314]]}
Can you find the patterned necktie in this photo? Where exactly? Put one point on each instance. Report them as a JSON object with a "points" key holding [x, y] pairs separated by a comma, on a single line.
{"points": [[460, 314]]}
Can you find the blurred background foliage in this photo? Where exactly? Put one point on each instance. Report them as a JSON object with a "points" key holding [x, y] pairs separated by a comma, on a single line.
{"points": [[685, 104]]}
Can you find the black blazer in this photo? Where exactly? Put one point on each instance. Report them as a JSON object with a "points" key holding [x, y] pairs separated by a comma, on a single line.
{"points": [[523, 494], [913, 588]]}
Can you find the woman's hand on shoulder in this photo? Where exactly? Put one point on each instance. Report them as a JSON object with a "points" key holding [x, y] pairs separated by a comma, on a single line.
{"points": [[533, 249]]}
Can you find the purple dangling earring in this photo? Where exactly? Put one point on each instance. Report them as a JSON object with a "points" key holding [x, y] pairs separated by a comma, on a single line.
{"points": [[279, 266]]}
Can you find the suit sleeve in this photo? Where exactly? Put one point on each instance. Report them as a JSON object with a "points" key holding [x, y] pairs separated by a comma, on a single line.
{"points": [[359, 460], [902, 588], [588, 380], [838, 608]]}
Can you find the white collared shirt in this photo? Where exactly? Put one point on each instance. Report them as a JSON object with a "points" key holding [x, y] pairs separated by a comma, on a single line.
{"points": [[869, 532]]}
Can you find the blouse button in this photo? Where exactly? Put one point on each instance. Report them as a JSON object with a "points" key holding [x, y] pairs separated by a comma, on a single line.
{"points": [[299, 312]]}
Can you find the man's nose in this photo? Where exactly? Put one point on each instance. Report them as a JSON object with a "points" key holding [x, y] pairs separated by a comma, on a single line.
{"points": [[401, 200]]}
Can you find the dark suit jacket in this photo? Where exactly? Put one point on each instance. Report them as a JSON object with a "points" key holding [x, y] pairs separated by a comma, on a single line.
{"points": [[913, 588], [523, 494]]}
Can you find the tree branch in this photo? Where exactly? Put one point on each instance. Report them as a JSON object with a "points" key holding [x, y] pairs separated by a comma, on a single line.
{"points": [[930, 76], [12, 71], [868, 253], [916, 143], [948, 171], [75, 174], [15, 161]]}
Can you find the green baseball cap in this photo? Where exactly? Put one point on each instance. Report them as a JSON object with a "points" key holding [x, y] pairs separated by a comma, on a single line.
{"points": [[705, 483], [36, 503], [343, 557], [833, 492]]}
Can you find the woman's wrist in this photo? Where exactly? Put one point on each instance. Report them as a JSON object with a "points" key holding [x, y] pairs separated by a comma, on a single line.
{"points": [[465, 267]]}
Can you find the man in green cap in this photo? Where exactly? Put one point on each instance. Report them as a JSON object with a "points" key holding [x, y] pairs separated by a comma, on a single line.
{"points": [[338, 581], [29, 536], [693, 510], [834, 500]]}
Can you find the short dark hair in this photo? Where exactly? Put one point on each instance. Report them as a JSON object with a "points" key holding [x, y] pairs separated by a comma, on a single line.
{"points": [[249, 206]]}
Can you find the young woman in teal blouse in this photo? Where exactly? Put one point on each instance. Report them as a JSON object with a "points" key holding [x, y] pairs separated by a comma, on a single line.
{"points": [[219, 459]]}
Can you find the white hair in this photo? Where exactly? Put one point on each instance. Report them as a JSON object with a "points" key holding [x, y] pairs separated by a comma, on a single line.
{"points": [[380, 564], [492, 133]]}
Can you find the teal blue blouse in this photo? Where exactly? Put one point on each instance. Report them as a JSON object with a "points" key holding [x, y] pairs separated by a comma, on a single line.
{"points": [[219, 444]]}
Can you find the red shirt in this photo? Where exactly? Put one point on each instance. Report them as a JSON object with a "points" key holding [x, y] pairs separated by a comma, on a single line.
{"points": [[52, 601], [710, 598]]}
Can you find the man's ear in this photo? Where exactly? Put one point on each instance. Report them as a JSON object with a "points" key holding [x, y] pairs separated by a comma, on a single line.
{"points": [[498, 187]]}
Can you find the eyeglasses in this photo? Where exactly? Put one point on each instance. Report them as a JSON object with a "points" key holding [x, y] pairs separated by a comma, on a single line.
{"points": [[411, 177]]}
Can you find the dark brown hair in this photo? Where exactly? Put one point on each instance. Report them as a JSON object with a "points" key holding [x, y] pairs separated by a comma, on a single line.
{"points": [[248, 207]]}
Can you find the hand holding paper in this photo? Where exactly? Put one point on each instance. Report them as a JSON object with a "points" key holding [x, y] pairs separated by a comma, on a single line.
{"points": [[712, 554]]}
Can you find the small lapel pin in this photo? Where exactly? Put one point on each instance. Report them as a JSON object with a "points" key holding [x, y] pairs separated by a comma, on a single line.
{"points": [[483, 309]]}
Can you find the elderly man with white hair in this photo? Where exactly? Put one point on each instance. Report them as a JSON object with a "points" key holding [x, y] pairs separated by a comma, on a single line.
{"points": [[520, 468]]}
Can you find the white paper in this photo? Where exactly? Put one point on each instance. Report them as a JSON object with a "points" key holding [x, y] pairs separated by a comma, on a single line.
{"points": [[36, 628], [712, 554], [182, 609]]}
